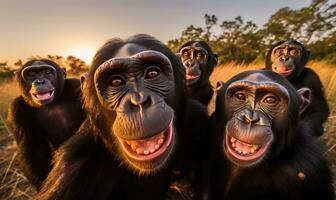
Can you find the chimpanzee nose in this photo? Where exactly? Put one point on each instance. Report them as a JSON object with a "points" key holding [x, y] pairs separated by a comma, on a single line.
{"points": [[284, 58], [249, 117], [190, 64], [40, 81], [140, 100]]}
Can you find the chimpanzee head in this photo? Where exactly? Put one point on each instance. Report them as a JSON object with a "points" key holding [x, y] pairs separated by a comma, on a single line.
{"points": [[257, 113], [134, 100], [198, 60], [287, 58], [41, 81]]}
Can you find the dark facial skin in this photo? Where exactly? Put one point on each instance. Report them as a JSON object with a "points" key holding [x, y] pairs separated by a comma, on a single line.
{"points": [[40, 78], [194, 58], [285, 58], [251, 106], [135, 85]]}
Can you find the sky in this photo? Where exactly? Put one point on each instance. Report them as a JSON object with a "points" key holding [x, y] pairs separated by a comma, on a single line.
{"points": [[79, 27]]}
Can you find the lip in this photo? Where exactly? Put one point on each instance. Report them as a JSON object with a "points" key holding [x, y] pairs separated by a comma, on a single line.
{"points": [[283, 70], [191, 77], [246, 157], [148, 156], [44, 96]]}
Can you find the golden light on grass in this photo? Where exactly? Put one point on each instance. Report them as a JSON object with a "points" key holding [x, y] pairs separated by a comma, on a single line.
{"points": [[84, 53]]}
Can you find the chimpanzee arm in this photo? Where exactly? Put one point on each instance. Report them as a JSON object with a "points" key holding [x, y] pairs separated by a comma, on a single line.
{"points": [[33, 150]]}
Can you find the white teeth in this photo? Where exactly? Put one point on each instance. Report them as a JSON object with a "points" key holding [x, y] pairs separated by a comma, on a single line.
{"points": [[145, 147], [139, 151], [244, 148]]}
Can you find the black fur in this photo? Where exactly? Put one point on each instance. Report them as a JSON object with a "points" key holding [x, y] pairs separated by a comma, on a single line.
{"points": [[202, 89], [39, 131], [318, 111], [295, 167], [91, 165]]}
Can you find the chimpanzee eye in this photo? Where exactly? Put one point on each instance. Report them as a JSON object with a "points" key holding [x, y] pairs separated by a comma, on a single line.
{"points": [[186, 54], [47, 72], [240, 96], [117, 81], [270, 100], [294, 52], [278, 52], [152, 72]]}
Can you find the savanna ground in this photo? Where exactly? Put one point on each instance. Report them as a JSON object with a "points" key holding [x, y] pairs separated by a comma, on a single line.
{"points": [[15, 186]]}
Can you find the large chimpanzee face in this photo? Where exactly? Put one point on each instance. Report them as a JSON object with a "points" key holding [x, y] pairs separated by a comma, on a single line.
{"points": [[40, 79], [287, 58], [256, 107], [194, 59], [136, 86]]}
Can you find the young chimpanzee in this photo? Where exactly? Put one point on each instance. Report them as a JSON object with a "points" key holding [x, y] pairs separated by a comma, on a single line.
{"points": [[199, 62], [263, 150], [47, 113], [289, 58]]}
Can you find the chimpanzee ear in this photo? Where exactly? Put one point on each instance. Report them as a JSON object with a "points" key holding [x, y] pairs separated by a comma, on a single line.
{"points": [[216, 57], [305, 98], [219, 86], [83, 79], [64, 72]]}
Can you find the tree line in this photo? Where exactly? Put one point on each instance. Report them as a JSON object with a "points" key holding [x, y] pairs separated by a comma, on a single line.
{"points": [[72, 64], [243, 41]]}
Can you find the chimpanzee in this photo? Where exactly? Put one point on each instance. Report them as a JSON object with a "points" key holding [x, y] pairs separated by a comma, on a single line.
{"points": [[263, 150], [289, 58], [127, 146], [47, 113], [199, 62]]}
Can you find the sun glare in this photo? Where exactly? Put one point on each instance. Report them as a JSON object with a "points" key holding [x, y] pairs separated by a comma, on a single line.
{"points": [[84, 53]]}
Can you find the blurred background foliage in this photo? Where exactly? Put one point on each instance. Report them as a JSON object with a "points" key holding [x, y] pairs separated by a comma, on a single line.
{"points": [[242, 41]]}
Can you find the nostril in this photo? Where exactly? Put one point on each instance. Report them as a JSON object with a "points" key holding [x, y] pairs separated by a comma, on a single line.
{"points": [[140, 100]]}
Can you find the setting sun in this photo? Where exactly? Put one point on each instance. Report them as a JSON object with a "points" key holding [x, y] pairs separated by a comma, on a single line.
{"points": [[84, 53]]}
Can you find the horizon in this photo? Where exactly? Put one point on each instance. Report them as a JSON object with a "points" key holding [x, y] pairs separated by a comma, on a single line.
{"points": [[79, 28]]}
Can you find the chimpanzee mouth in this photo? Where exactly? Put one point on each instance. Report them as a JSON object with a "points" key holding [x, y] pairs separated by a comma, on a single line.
{"points": [[191, 77], [244, 153], [149, 148], [283, 70], [44, 96]]}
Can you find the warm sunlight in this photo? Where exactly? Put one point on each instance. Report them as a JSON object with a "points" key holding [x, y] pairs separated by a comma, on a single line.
{"points": [[84, 53]]}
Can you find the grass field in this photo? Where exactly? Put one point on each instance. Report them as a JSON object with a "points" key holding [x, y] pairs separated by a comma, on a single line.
{"points": [[14, 185]]}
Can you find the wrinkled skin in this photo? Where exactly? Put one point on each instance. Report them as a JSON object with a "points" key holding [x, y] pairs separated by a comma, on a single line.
{"points": [[198, 61], [289, 58], [125, 149], [40, 117], [261, 146]]}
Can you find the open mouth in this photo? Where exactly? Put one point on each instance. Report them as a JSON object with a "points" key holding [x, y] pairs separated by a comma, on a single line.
{"points": [[243, 151], [283, 70], [44, 96], [148, 148]]}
